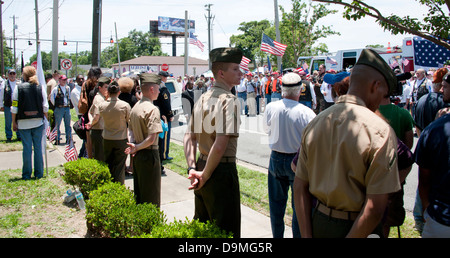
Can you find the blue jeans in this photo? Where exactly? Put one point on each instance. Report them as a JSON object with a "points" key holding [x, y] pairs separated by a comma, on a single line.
{"points": [[8, 122], [258, 99], [32, 140], [280, 178], [276, 96], [268, 98], [242, 96], [60, 113]]}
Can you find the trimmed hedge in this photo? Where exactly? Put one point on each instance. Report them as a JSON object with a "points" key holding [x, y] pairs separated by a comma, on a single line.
{"points": [[111, 209], [188, 229], [112, 212], [86, 174]]}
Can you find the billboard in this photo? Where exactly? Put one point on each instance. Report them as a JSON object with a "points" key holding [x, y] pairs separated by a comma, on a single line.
{"points": [[169, 25]]}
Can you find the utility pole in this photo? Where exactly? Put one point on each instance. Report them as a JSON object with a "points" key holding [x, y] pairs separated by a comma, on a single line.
{"points": [[186, 43], [14, 38], [36, 11], [96, 32], [209, 19], [118, 52], [1, 40], [277, 31], [55, 52]]}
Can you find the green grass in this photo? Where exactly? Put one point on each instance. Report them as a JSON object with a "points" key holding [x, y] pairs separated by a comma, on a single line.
{"points": [[15, 145], [34, 208]]}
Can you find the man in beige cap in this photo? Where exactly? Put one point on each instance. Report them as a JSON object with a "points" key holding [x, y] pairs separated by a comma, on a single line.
{"points": [[214, 127], [145, 126], [348, 159]]}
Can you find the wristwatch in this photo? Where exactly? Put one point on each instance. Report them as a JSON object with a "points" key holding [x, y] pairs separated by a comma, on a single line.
{"points": [[189, 169]]}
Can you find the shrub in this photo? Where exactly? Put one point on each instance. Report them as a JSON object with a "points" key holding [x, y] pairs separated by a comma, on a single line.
{"points": [[188, 229], [86, 174], [112, 212], [103, 201]]}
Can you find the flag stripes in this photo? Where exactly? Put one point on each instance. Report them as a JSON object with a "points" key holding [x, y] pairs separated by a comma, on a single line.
{"points": [[271, 46]]}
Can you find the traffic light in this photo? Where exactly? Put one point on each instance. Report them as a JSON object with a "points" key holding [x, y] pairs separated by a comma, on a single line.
{"points": [[65, 43], [111, 40]]}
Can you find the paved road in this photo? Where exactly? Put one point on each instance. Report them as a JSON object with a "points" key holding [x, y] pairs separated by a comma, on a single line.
{"points": [[253, 148]]}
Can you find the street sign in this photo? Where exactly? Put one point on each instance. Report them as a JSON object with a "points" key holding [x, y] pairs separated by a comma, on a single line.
{"points": [[34, 64], [66, 64], [165, 67]]}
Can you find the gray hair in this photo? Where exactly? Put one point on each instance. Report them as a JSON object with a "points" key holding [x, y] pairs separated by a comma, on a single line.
{"points": [[290, 91]]}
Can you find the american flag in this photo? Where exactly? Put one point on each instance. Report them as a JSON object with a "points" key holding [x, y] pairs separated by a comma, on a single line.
{"points": [[194, 41], [244, 63], [271, 46], [429, 54], [331, 61], [405, 61], [299, 70], [70, 153], [51, 135]]}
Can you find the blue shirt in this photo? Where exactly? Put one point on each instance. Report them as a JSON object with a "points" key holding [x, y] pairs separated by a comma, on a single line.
{"points": [[433, 153]]}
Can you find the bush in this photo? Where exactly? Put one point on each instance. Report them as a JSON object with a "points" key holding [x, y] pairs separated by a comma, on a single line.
{"points": [[112, 212], [86, 174], [188, 229]]}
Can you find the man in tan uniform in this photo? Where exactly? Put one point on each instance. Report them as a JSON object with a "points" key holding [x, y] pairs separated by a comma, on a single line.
{"points": [[145, 126], [348, 159], [214, 127], [115, 114]]}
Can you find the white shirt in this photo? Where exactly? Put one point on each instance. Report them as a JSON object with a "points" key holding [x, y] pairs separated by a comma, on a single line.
{"points": [[284, 121], [326, 91], [242, 87], [2, 89], [55, 92], [23, 124], [75, 97], [416, 84], [406, 92]]}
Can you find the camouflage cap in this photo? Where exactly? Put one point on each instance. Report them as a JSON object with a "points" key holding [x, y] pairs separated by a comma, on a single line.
{"points": [[371, 58], [152, 78], [226, 55], [104, 80]]}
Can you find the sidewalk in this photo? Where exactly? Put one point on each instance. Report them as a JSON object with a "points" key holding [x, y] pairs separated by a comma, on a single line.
{"points": [[177, 201]]}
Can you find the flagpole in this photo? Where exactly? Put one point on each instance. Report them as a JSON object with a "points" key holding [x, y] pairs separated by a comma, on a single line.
{"points": [[41, 79], [277, 31], [186, 45]]}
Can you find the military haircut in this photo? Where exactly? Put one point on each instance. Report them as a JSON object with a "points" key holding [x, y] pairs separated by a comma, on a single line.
{"points": [[217, 66]]}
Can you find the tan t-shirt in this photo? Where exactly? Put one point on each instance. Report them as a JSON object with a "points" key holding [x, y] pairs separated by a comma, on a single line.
{"points": [[115, 114], [348, 152], [216, 113], [145, 120], [98, 99]]}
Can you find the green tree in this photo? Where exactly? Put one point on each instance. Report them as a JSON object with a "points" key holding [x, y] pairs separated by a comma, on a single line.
{"points": [[433, 27], [8, 56], [250, 41], [300, 32]]}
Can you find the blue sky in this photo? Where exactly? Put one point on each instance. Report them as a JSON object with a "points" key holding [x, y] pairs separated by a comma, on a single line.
{"points": [[75, 22]]}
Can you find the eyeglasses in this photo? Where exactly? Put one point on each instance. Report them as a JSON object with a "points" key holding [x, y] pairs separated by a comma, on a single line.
{"points": [[13, 73]]}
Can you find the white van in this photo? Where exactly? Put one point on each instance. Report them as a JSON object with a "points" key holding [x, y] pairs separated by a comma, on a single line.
{"points": [[175, 97]]}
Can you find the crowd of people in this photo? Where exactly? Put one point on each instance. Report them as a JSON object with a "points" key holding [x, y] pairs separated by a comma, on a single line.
{"points": [[340, 140]]}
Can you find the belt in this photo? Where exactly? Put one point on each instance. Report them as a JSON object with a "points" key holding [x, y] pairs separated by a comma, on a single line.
{"points": [[286, 154], [62, 106], [347, 215], [153, 147], [223, 160]]}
